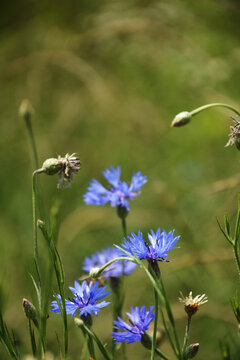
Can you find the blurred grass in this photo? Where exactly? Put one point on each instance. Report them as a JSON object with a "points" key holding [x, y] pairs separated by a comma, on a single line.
{"points": [[105, 79]]}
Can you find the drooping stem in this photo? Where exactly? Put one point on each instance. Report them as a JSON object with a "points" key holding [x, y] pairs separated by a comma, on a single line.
{"points": [[205, 107], [35, 237], [185, 340], [155, 324], [32, 140]]}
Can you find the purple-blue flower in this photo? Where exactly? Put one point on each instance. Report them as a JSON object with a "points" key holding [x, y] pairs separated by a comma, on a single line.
{"points": [[116, 269], [85, 299], [139, 320], [119, 193], [156, 249]]}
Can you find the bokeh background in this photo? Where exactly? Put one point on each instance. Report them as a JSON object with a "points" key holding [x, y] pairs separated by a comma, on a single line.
{"points": [[105, 79]]}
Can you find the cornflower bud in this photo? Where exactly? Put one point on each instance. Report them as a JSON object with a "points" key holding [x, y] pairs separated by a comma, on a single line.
{"points": [[26, 110], [181, 119], [30, 311], [191, 351]]}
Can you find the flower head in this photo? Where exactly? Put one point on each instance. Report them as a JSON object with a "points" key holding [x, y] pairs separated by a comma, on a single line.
{"points": [[85, 299], [64, 166], [191, 304], [156, 250], [115, 270], [139, 320], [234, 136], [120, 192]]}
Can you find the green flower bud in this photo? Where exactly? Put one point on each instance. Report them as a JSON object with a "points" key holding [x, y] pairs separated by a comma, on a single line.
{"points": [[29, 310], [122, 212], [51, 166], [146, 341], [191, 351], [181, 119], [26, 110], [78, 322]]}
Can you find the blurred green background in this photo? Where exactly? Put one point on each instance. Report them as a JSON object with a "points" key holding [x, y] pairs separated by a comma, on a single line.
{"points": [[105, 79]]}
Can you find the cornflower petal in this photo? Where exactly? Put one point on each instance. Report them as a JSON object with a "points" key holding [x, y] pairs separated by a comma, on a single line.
{"points": [[139, 321], [85, 299], [120, 192], [102, 257], [160, 243]]}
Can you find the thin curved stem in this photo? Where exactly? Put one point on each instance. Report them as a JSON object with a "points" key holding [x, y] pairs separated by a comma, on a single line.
{"points": [[186, 336], [205, 107], [35, 238], [161, 354], [155, 324]]}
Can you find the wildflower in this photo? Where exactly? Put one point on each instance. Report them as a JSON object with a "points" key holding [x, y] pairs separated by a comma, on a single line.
{"points": [[115, 270], [139, 320], [64, 166], [119, 193], [234, 136], [85, 299], [191, 305], [157, 250]]}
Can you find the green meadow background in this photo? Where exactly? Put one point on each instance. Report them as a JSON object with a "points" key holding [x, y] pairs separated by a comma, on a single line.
{"points": [[106, 79]]}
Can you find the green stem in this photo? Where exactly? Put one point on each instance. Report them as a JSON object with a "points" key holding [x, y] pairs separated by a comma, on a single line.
{"points": [[161, 354], [236, 254], [155, 324], [185, 340], [91, 347], [35, 238], [32, 141], [124, 226], [205, 107], [101, 269], [100, 345]]}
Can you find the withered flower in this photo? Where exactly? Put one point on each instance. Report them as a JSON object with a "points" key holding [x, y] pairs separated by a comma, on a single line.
{"points": [[234, 136], [191, 304], [64, 166]]}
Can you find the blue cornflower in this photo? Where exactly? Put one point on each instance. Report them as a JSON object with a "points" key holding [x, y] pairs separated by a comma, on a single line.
{"points": [[85, 299], [139, 320], [119, 193], [115, 270], [156, 250]]}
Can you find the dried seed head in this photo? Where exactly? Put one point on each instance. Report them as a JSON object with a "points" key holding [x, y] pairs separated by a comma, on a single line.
{"points": [[64, 166], [191, 304], [181, 119], [234, 136]]}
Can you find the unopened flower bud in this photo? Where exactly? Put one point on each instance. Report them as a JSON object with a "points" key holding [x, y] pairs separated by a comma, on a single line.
{"points": [[191, 351], [78, 322], [88, 321], [26, 110], [29, 310], [122, 212], [146, 340], [94, 272], [40, 224], [181, 119]]}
